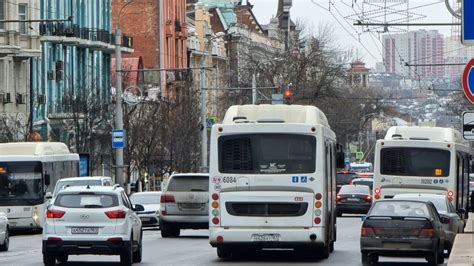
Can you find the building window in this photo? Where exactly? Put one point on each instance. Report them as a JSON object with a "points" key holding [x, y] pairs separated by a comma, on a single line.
{"points": [[2, 14], [23, 15]]}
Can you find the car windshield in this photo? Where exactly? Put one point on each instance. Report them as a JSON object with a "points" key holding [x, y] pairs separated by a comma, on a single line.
{"points": [[368, 183], [267, 154], [440, 204], [350, 189], [21, 183], [189, 183], [400, 209], [143, 199], [74, 183], [86, 200], [345, 178], [414, 162]]}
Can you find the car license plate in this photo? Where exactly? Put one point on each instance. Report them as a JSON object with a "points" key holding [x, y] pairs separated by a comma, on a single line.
{"points": [[145, 219], [85, 230], [353, 199], [396, 245], [266, 237], [190, 205]]}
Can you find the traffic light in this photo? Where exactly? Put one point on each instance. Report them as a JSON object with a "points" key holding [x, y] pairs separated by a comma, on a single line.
{"points": [[288, 95]]}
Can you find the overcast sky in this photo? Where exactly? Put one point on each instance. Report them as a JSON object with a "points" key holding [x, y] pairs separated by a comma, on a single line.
{"points": [[314, 15]]}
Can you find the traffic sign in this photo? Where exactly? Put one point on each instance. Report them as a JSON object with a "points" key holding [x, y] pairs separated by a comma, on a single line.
{"points": [[468, 125], [467, 25], [118, 138], [468, 80]]}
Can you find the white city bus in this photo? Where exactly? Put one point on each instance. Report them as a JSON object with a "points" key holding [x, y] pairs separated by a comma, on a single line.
{"points": [[272, 180], [28, 171], [423, 160]]}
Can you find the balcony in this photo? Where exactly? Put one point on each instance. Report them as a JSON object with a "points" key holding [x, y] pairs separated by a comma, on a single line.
{"points": [[74, 35]]}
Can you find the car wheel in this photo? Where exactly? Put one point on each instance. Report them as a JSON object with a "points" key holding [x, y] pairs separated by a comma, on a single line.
{"points": [[6, 242], [325, 251], [63, 258], [175, 232], [137, 255], [223, 253], [441, 257], [433, 259], [49, 259], [126, 256]]}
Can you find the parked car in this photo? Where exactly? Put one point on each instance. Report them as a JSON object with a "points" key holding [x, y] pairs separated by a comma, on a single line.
{"points": [[4, 232], [353, 199], [446, 209], [367, 181], [344, 178], [98, 220], [151, 202], [80, 181], [398, 228], [184, 204]]}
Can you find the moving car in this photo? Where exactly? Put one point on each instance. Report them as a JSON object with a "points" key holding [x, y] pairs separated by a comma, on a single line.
{"points": [[92, 220], [184, 204], [344, 178], [151, 202], [367, 181], [81, 181], [446, 209], [398, 228], [4, 232], [353, 199]]}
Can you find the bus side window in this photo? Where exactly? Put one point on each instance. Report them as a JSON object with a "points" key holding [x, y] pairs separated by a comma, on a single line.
{"points": [[48, 169]]}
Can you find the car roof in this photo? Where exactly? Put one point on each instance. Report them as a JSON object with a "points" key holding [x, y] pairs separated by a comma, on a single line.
{"points": [[403, 200], [363, 179], [77, 189], [190, 174], [84, 178], [355, 185], [146, 192], [419, 195]]}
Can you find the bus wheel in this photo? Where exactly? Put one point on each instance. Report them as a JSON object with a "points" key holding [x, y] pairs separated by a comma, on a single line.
{"points": [[331, 247], [326, 250], [223, 253]]}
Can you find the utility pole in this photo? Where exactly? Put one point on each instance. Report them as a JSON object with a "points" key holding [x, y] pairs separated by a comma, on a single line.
{"points": [[203, 85], [254, 89], [162, 52], [119, 178]]}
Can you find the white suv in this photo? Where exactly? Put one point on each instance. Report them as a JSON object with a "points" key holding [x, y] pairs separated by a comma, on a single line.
{"points": [[184, 204], [92, 220]]}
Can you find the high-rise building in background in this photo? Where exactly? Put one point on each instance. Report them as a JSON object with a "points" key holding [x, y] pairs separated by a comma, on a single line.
{"points": [[419, 47]]}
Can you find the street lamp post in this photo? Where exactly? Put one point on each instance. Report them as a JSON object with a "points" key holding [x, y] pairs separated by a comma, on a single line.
{"points": [[119, 176]]}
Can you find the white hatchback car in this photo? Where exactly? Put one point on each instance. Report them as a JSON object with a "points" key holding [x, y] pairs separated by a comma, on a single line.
{"points": [[92, 220], [150, 200], [4, 232], [184, 204]]}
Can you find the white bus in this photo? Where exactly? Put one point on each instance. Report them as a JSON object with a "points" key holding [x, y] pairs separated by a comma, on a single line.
{"points": [[423, 159], [29, 170], [273, 180]]}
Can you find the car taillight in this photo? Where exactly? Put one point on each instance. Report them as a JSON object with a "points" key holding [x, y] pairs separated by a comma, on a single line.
{"points": [[368, 198], [377, 193], [338, 197], [426, 232], [55, 213], [116, 214], [450, 195], [367, 231], [51, 238], [167, 198]]}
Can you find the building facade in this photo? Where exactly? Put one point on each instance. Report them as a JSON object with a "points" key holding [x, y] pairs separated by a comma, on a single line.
{"points": [[19, 45], [414, 48], [75, 62], [166, 48]]}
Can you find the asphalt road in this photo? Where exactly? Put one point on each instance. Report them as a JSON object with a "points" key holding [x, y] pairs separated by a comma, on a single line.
{"points": [[192, 248]]}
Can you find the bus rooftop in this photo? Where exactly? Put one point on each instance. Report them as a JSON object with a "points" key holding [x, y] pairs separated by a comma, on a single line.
{"points": [[440, 134], [33, 148]]}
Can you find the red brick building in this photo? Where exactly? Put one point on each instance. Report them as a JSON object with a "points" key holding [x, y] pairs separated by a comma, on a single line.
{"points": [[141, 20]]}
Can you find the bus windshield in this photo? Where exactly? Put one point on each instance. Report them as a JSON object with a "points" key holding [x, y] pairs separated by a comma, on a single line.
{"points": [[21, 183], [267, 154], [407, 161]]}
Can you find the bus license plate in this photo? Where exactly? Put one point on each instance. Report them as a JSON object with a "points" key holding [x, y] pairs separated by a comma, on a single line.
{"points": [[266, 237], [85, 230]]}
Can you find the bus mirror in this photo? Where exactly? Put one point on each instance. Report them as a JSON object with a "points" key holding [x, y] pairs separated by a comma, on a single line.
{"points": [[340, 160], [47, 179], [48, 195]]}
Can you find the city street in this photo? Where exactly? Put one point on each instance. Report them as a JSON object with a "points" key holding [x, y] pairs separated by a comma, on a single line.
{"points": [[193, 249]]}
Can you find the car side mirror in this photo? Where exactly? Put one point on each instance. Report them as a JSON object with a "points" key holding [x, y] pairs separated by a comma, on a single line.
{"points": [[138, 208], [461, 211], [47, 179], [48, 195], [444, 220]]}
